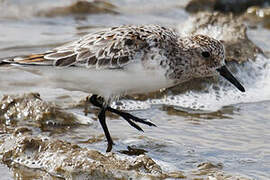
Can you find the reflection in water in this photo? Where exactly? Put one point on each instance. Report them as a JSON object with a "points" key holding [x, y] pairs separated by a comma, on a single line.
{"points": [[131, 150], [224, 113]]}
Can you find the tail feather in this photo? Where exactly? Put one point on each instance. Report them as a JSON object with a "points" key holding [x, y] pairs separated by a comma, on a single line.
{"points": [[2, 62], [33, 59]]}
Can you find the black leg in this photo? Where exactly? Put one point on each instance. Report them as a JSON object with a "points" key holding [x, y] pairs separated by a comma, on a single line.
{"points": [[102, 120]]}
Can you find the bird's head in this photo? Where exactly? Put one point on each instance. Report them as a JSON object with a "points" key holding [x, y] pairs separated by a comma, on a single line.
{"points": [[203, 56]]}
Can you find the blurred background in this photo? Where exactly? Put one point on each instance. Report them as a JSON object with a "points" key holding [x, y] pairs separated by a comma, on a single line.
{"points": [[206, 128]]}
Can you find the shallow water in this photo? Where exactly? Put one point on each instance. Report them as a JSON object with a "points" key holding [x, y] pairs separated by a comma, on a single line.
{"points": [[218, 125]]}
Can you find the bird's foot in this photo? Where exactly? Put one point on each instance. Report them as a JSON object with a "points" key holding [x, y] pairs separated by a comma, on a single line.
{"points": [[131, 119], [99, 102]]}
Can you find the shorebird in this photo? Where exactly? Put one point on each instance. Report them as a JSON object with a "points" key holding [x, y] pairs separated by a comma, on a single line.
{"points": [[125, 60]]}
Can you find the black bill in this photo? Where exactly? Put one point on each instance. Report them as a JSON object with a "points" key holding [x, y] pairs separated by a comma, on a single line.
{"points": [[223, 71]]}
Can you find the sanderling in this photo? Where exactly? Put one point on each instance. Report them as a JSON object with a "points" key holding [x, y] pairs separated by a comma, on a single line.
{"points": [[126, 60]]}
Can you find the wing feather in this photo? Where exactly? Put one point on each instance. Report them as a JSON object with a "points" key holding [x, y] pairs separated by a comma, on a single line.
{"points": [[112, 48], [59, 55], [66, 61]]}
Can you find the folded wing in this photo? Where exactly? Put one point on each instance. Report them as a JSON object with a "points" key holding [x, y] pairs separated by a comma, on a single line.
{"points": [[109, 48]]}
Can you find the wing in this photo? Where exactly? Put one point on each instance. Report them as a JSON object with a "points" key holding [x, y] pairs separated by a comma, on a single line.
{"points": [[110, 48]]}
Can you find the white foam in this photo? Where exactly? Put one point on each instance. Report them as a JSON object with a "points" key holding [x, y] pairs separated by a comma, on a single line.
{"points": [[254, 75]]}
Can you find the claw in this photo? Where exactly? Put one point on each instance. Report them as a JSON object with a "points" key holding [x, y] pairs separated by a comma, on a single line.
{"points": [[128, 117], [134, 125]]}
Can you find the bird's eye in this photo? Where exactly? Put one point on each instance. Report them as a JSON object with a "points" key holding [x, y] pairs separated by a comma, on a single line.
{"points": [[206, 54]]}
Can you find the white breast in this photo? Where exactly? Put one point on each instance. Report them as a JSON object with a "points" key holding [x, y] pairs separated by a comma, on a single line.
{"points": [[133, 78]]}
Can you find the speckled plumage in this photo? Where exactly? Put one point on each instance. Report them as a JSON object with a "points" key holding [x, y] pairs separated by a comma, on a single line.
{"points": [[154, 48], [126, 60]]}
